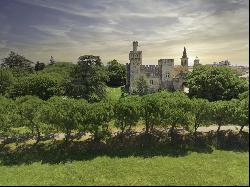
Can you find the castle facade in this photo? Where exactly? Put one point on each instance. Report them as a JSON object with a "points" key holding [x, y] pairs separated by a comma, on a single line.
{"points": [[165, 75]]}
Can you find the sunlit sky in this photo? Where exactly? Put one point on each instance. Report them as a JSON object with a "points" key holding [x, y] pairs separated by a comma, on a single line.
{"points": [[213, 30]]}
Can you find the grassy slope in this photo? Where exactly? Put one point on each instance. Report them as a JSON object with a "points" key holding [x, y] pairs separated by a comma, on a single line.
{"points": [[217, 168], [114, 93]]}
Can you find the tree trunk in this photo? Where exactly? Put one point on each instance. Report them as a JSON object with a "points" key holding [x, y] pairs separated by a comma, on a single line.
{"points": [[241, 129], [38, 138], [196, 125], [151, 127], [219, 126], [67, 135], [217, 137], [172, 134]]}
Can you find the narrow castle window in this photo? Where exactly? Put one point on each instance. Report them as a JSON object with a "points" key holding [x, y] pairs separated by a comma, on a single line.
{"points": [[168, 75], [151, 82]]}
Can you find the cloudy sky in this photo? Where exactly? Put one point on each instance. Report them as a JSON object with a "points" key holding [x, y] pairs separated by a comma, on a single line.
{"points": [[213, 30]]}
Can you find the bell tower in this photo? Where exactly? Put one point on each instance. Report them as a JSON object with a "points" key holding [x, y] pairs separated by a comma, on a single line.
{"points": [[184, 58]]}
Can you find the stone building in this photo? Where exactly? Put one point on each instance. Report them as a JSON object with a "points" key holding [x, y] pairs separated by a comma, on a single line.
{"points": [[165, 75]]}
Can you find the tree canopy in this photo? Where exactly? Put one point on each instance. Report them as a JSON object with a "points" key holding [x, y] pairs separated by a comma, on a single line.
{"points": [[215, 83], [18, 63], [88, 79], [116, 73]]}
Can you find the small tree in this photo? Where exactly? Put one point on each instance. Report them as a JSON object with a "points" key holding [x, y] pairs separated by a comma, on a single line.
{"points": [[98, 116], [141, 86], [201, 110], [174, 113], [66, 114], [116, 73], [222, 113], [151, 110], [28, 108], [7, 108], [18, 63], [127, 112], [6, 80], [89, 79], [241, 113], [39, 66]]}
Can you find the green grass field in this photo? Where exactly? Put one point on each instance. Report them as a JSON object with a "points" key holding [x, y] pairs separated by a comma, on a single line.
{"points": [[216, 168], [114, 93]]}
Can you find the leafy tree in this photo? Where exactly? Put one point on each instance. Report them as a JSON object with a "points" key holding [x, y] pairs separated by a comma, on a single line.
{"points": [[141, 86], [88, 79], [244, 95], [127, 112], [28, 108], [151, 110], [201, 110], [175, 111], [215, 83], [6, 80], [98, 116], [18, 63], [39, 66], [116, 73], [62, 68], [42, 85], [241, 113], [222, 113], [7, 106], [66, 114]]}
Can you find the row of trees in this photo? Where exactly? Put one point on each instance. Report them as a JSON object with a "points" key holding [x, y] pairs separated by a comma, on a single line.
{"points": [[159, 110], [87, 79]]}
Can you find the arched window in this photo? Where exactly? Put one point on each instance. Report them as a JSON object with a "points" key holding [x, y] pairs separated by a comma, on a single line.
{"points": [[151, 82], [168, 75]]}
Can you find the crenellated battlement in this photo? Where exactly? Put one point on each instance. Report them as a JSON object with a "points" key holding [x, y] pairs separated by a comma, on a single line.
{"points": [[150, 69]]}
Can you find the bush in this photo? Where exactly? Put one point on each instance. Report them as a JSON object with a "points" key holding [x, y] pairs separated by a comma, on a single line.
{"points": [[127, 112], [215, 83], [42, 85]]}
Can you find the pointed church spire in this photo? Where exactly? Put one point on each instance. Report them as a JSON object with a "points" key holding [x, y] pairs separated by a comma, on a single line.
{"points": [[184, 53]]}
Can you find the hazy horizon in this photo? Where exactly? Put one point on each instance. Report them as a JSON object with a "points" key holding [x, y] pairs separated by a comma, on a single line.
{"points": [[213, 30]]}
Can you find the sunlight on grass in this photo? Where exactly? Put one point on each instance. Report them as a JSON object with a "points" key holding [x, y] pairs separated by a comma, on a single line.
{"points": [[217, 168], [114, 93]]}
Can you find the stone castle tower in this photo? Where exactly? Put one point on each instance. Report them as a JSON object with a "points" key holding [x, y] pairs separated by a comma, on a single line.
{"points": [[135, 58], [165, 75], [196, 61]]}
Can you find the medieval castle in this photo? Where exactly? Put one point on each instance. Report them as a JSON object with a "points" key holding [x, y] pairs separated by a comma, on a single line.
{"points": [[165, 75]]}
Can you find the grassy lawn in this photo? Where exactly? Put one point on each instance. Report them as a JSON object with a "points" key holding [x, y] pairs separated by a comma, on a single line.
{"points": [[216, 168], [114, 93]]}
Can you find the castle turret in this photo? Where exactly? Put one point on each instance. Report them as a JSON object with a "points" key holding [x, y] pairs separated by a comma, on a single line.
{"points": [[196, 61], [135, 58], [184, 59]]}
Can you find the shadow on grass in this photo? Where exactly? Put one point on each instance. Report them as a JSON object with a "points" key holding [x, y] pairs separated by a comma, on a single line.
{"points": [[145, 146]]}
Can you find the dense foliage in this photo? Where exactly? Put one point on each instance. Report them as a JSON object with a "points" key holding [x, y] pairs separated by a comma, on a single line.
{"points": [[18, 63], [215, 83], [116, 73], [6, 80], [42, 85], [88, 79], [163, 110]]}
